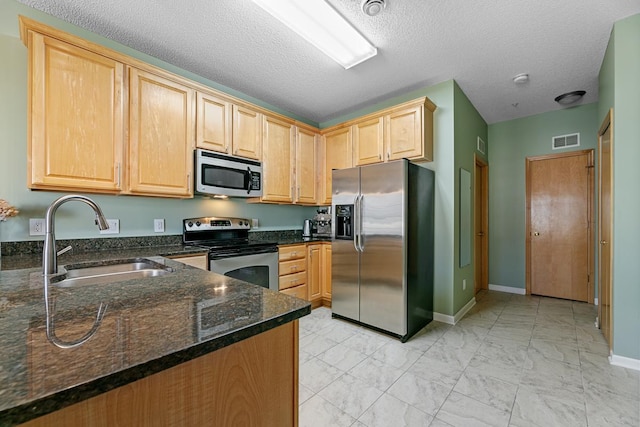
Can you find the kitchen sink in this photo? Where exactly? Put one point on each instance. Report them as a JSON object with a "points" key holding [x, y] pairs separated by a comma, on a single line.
{"points": [[109, 272]]}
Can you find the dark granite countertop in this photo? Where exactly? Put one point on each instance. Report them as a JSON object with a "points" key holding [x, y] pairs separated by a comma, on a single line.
{"points": [[149, 325]]}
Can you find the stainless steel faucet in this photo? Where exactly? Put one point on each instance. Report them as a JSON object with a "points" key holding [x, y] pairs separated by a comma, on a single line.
{"points": [[49, 256]]}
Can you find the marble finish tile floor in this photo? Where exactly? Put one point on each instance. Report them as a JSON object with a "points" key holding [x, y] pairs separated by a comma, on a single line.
{"points": [[513, 360]]}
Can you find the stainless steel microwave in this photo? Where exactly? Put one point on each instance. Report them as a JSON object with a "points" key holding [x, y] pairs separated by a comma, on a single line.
{"points": [[219, 174]]}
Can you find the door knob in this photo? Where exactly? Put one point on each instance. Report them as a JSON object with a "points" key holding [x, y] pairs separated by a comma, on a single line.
{"points": [[480, 234], [536, 234], [603, 242]]}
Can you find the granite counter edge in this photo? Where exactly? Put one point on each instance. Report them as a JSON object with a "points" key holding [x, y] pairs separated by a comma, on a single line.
{"points": [[23, 413]]}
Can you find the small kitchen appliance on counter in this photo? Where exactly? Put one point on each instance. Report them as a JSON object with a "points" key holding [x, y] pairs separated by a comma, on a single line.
{"points": [[322, 223], [230, 251], [306, 229]]}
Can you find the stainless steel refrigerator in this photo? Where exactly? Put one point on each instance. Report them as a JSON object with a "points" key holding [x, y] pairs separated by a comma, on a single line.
{"points": [[382, 246]]}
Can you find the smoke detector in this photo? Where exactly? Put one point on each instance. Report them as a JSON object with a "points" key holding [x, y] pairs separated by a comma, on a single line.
{"points": [[373, 7]]}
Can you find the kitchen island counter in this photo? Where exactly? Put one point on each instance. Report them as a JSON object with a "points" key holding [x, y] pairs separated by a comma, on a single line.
{"points": [[150, 326]]}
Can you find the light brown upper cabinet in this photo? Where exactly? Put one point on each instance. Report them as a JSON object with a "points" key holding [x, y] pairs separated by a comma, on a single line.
{"points": [[247, 126], [228, 128], [278, 160], [75, 117], [161, 135], [368, 141], [338, 154], [213, 131], [307, 170], [403, 131], [409, 131]]}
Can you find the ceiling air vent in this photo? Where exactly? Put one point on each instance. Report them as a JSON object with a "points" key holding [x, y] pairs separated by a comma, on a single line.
{"points": [[565, 141]]}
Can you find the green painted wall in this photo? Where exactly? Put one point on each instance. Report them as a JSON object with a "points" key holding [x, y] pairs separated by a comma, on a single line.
{"points": [[511, 143], [457, 124], [74, 220], [468, 126], [620, 90]]}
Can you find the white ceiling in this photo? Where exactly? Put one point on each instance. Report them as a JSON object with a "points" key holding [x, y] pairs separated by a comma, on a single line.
{"points": [[482, 44]]}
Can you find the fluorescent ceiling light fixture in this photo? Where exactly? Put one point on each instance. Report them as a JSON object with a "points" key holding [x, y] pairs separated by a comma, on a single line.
{"points": [[318, 23]]}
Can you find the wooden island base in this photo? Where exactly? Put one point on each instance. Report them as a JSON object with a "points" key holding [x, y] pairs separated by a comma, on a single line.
{"points": [[253, 382]]}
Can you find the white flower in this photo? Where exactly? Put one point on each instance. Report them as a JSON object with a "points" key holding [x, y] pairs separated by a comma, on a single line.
{"points": [[6, 210]]}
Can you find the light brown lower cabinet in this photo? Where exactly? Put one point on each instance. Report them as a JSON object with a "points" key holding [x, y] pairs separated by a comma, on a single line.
{"points": [[305, 272], [236, 385], [326, 275], [314, 273]]}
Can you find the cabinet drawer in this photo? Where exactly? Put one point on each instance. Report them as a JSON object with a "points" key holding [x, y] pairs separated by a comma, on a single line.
{"points": [[293, 266], [291, 280], [298, 291], [287, 253]]}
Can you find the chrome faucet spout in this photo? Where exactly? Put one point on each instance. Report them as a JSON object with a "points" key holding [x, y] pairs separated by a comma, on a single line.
{"points": [[49, 256]]}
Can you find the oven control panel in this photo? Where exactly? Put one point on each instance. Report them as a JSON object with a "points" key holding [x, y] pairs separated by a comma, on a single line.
{"points": [[216, 223]]}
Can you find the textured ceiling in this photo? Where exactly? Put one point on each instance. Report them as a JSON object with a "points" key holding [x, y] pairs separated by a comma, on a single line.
{"points": [[481, 44]]}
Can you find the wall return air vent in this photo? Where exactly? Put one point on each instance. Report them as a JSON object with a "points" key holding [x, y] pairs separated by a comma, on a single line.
{"points": [[565, 141]]}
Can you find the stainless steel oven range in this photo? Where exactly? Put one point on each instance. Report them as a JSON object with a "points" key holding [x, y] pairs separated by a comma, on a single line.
{"points": [[230, 251]]}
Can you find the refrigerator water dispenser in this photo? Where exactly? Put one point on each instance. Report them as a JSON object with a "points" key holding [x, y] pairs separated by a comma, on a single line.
{"points": [[344, 222]]}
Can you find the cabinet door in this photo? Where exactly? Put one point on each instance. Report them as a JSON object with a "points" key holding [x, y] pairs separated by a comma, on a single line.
{"points": [[278, 161], [247, 132], [306, 167], [213, 130], [314, 272], [368, 137], [337, 155], [76, 118], [326, 270], [161, 140], [405, 136]]}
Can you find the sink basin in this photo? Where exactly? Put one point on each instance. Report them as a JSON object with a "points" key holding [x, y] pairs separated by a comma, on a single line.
{"points": [[110, 272]]}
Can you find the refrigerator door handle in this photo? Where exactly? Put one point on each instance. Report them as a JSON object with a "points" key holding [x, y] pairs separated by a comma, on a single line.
{"points": [[356, 232], [360, 215]]}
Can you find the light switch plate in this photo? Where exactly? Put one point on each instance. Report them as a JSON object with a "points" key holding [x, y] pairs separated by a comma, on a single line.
{"points": [[255, 223], [114, 227]]}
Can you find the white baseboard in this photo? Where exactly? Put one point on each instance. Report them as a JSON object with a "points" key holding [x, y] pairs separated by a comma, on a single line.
{"points": [[452, 320], [508, 289], [625, 362]]}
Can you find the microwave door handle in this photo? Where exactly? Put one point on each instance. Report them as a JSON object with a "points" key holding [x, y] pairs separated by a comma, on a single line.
{"points": [[247, 180]]}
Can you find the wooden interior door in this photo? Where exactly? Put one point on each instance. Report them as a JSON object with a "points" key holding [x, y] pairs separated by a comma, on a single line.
{"points": [[481, 225], [605, 225], [559, 189]]}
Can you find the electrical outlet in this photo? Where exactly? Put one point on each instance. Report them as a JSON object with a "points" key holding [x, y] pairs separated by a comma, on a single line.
{"points": [[254, 223], [464, 284], [36, 227], [114, 227], [158, 225]]}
